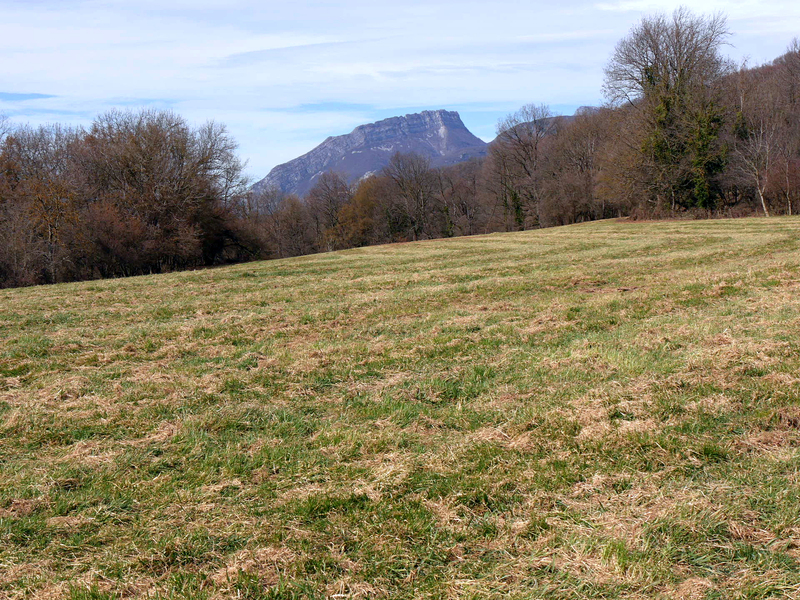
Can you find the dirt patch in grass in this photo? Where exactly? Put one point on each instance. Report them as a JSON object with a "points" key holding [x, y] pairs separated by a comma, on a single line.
{"points": [[267, 563]]}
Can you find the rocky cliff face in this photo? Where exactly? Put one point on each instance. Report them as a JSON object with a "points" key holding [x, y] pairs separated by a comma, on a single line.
{"points": [[440, 135]]}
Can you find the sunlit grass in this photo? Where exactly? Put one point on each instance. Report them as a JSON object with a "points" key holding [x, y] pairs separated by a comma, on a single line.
{"points": [[609, 410]]}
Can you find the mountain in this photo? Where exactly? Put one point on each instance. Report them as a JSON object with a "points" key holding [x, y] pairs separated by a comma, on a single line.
{"points": [[440, 135]]}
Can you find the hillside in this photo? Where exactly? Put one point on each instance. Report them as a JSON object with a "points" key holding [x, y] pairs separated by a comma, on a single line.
{"points": [[609, 410], [438, 135]]}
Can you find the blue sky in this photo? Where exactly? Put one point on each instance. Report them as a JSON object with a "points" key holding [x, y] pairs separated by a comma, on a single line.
{"points": [[285, 75]]}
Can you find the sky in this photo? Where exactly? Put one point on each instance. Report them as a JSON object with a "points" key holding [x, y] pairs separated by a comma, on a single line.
{"points": [[283, 76]]}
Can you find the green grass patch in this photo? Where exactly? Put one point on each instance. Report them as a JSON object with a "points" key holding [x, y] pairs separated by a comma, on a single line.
{"points": [[608, 410]]}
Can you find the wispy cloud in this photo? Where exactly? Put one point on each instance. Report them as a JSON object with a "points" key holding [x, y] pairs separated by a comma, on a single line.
{"points": [[283, 76], [278, 52], [16, 97]]}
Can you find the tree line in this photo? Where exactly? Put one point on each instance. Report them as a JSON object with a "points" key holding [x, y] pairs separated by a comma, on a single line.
{"points": [[684, 132], [134, 193]]}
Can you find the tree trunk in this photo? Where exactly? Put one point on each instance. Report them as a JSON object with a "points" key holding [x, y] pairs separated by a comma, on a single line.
{"points": [[763, 202]]}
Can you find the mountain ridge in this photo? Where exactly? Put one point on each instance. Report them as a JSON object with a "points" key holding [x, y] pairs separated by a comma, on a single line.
{"points": [[440, 135]]}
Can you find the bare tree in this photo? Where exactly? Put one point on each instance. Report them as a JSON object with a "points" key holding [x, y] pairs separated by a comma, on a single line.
{"points": [[788, 139], [184, 184], [755, 154], [789, 72], [217, 162], [667, 70], [45, 188], [325, 201], [788, 153], [5, 128], [501, 184], [362, 220], [295, 235], [261, 203], [415, 188], [667, 54], [518, 152], [460, 190], [573, 165], [22, 251]]}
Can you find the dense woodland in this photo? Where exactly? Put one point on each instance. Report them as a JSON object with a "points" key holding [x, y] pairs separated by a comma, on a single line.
{"points": [[684, 133]]}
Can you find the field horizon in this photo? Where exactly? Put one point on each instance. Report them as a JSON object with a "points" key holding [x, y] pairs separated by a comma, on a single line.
{"points": [[600, 410]]}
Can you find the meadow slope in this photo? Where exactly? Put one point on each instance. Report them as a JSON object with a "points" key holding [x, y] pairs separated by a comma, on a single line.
{"points": [[609, 410]]}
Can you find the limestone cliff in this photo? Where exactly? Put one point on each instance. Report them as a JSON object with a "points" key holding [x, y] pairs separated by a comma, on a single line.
{"points": [[439, 135]]}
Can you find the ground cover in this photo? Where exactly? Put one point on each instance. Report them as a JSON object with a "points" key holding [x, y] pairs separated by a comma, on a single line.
{"points": [[609, 410]]}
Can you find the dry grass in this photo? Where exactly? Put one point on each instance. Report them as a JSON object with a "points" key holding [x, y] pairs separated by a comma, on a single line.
{"points": [[608, 410]]}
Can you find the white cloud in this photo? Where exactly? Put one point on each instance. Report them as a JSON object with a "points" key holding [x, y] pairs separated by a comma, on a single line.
{"points": [[252, 64]]}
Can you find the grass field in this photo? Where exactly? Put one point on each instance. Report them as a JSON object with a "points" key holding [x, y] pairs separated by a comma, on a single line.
{"points": [[609, 410]]}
